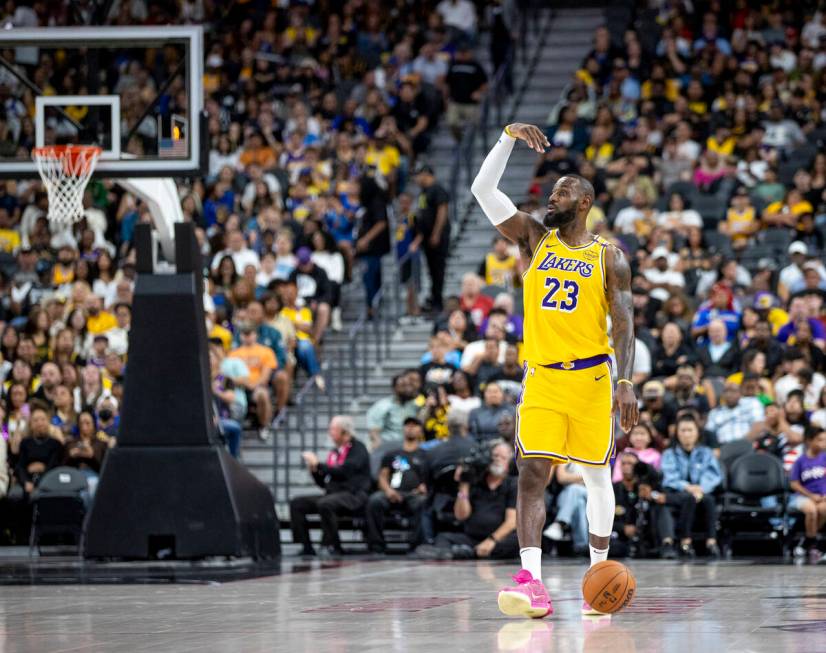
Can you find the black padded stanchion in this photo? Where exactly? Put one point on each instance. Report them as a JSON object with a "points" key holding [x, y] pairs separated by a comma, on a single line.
{"points": [[169, 488]]}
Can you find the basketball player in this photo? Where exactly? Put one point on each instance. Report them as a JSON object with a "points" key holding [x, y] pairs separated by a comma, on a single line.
{"points": [[568, 400]]}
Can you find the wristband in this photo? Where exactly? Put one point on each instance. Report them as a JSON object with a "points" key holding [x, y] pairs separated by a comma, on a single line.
{"points": [[508, 132], [463, 495], [631, 383]]}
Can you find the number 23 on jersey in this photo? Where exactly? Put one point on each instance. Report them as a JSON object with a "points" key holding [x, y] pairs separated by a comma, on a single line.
{"points": [[560, 300]]}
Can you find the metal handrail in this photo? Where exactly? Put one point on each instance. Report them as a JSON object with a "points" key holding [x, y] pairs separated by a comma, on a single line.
{"points": [[463, 155]]}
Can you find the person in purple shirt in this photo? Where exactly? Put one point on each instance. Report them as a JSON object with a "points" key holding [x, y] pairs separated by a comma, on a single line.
{"points": [[807, 480], [789, 329]]}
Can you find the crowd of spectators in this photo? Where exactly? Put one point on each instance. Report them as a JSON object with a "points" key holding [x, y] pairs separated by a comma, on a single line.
{"points": [[317, 113], [701, 134]]}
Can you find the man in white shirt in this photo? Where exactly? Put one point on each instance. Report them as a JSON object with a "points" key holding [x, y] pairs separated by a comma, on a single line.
{"points": [[792, 274], [241, 255], [639, 211], [642, 363], [781, 133], [663, 278], [798, 377], [687, 148], [736, 417], [814, 29], [429, 66], [459, 15]]}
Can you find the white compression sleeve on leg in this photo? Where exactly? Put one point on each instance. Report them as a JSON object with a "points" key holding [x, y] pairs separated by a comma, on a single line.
{"points": [[601, 504], [496, 205]]}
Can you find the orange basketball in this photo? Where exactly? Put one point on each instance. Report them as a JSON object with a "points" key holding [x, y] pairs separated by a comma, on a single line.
{"points": [[609, 586]]}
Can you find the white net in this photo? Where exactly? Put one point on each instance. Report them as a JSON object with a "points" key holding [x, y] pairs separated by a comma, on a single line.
{"points": [[65, 170]]}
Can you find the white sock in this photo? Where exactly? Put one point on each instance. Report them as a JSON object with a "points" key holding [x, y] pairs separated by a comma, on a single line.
{"points": [[532, 560], [597, 555]]}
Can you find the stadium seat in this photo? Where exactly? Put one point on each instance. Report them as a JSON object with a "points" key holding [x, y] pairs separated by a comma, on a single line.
{"points": [[59, 505], [717, 241], [684, 188], [631, 242], [754, 501], [493, 291], [787, 169], [751, 256], [732, 451], [758, 203], [616, 206], [777, 238], [711, 208]]}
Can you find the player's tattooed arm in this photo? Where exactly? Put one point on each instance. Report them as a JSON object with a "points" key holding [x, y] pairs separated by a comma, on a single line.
{"points": [[618, 280]]}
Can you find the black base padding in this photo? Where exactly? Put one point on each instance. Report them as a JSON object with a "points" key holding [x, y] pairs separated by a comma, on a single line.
{"points": [[179, 503]]}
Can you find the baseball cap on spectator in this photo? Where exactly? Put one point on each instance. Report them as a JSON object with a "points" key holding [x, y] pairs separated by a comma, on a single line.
{"points": [[423, 168], [303, 255], [742, 191], [659, 252], [246, 327], [764, 301], [811, 265], [653, 390], [798, 247]]}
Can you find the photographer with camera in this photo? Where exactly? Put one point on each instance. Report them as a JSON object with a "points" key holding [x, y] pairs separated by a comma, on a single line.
{"points": [[642, 522], [485, 506]]}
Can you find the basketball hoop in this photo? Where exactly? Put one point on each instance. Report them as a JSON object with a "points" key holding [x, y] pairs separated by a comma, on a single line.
{"points": [[65, 170]]}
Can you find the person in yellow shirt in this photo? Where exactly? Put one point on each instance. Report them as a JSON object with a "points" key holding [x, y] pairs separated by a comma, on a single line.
{"points": [[63, 270], [721, 141], [9, 238], [383, 155], [741, 219], [216, 331], [499, 267], [786, 212], [302, 319], [601, 150], [99, 321]]}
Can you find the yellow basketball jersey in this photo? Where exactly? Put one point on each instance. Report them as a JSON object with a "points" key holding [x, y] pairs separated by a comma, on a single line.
{"points": [[566, 306], [499, 273]]}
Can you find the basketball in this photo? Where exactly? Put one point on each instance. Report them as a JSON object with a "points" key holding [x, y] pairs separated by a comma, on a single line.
{"points": [[609, 586]]}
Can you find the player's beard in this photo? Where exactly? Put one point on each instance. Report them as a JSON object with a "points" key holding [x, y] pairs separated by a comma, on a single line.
{"points": [[556, 218]]}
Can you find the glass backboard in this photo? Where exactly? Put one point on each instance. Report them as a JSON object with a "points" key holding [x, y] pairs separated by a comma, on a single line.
{"points": [[136, 92]]}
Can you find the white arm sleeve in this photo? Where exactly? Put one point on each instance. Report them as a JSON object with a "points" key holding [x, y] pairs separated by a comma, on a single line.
{"points": [[496, 205]]}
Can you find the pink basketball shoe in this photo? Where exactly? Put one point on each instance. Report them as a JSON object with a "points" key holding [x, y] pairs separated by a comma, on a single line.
{"points": [[528, 599]]}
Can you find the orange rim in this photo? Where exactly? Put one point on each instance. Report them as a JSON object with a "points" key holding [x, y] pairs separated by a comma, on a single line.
{"points": [[72, 156]]}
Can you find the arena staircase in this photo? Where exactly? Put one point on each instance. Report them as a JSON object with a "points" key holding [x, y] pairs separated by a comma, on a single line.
{"points": [[354, 387]]}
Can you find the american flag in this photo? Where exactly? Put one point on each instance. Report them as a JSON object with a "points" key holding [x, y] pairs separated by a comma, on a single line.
{"points": [[174, 145]]}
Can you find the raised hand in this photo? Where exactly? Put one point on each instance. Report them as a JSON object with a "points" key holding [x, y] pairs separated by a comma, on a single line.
{"points": [[531, 134]]}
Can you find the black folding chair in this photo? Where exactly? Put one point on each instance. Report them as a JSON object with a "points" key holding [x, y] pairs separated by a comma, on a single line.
{"points": [[745, 514], [59, 505]]}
